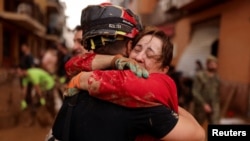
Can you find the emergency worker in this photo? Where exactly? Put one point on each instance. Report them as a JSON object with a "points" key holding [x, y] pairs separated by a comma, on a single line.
{"points": [[78, 47], [206, 93], [116, 122]]}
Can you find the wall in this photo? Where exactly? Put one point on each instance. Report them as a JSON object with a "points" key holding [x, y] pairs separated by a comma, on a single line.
{"points": [[234, 46]]}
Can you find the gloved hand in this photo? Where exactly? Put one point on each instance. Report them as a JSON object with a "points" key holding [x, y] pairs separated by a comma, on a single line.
{"points": [[24, 105], [75, 81], [73, 85], [121, 63], [70, 91], [42, 101]]}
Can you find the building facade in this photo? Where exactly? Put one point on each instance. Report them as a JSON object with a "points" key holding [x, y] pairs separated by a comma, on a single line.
{"points": [[39, 23], [35, 22], [199, 28]]}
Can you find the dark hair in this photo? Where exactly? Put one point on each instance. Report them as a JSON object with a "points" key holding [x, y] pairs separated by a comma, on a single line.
{"points": [[78, 28], [113, 48], [167, 47]]}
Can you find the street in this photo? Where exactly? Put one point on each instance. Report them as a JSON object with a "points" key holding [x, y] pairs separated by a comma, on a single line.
{"points": [[22, 133]]}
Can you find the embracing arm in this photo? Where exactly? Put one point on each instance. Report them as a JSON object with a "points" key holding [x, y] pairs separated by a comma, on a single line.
{"points": [[124, 88], [189, 128], [92, 61], [87, 62]]}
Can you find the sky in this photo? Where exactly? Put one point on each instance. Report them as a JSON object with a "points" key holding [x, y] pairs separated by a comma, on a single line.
{"points": [[74, 8]]}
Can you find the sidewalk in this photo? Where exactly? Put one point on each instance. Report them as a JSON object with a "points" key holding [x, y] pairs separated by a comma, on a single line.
{"points": [[11, 128], [21, 133], [9, 100]]}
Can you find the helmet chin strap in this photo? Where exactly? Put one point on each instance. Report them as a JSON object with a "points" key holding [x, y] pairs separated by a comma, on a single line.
{"points": [[99, 41]]}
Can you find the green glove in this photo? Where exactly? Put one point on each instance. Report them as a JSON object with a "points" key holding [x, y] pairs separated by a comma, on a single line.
{"points": [[122, 63], [71, 91], [24, 105], [42, 101]]}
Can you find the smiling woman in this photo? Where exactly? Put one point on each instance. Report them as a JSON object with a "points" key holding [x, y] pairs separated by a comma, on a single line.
{"points": [[73, 10]]}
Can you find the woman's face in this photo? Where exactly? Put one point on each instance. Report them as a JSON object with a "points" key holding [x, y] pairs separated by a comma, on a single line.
{"points": [[147, 53]]}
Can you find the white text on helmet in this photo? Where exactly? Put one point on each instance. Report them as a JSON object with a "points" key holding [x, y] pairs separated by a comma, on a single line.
{"points": [[127, 22], [115, 26]]}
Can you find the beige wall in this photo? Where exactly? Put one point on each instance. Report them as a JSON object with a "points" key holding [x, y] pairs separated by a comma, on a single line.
{"points": [[146, 7], [182, 38], [234, 46], [235, 42]]}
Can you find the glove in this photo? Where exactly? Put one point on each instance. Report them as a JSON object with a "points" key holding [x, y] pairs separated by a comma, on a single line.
{"points": [[73, 85], [24, 105], [75, 81], [42, 101], [121, 63], [71, 91]]}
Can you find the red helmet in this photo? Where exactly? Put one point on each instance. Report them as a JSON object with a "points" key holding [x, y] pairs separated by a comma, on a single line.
{"points": [[109, 20]]}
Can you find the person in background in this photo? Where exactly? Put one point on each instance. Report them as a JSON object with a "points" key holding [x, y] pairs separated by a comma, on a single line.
{"points": [[78, 47], [63, 55], [43, 84], [27, 61], [61, 77], [50, 59], [205, 92], [198, 65]]}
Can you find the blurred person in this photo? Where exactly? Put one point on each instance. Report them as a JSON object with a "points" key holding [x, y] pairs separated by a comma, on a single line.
{"points": [[27, 61], [61, 77], [111, 123], [205, 92], [198, 65], [43, 84], [78, 47], [50, 59], [63, 55]]}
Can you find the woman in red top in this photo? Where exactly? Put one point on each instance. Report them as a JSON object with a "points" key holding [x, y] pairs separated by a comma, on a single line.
{"points": [[109, 30], [152, 51]]}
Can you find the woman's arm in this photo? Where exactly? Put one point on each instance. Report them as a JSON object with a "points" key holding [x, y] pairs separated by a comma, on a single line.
{"points": [[126, 89], [187, 128], [87, 62], [92, 61]]}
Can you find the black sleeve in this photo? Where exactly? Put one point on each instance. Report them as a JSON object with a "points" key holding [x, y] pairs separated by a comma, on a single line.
{"points": [[155, 121]]}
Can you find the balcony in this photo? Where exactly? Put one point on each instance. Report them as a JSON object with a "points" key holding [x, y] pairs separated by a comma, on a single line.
{"points": [[23, 21]]}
